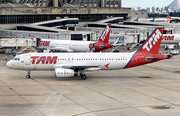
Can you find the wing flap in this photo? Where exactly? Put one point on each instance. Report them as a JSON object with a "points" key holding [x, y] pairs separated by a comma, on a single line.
{"points": [[61, 49]]}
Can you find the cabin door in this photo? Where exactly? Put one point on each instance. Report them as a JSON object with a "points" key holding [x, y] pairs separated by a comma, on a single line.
{"points": [[27, 60]]}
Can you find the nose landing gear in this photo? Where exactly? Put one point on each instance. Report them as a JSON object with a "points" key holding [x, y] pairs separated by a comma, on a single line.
{"points": [[28, 75]]}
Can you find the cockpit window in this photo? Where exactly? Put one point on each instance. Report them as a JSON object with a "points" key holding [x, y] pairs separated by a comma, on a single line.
{"points": [[17, 59]]}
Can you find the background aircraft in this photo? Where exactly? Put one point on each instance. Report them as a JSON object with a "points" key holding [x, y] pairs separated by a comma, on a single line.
{"points": [[167, 20], [171, 39], [69, 64], [78, 46]]}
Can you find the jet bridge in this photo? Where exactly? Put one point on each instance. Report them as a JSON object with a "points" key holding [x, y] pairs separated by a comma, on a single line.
{"points": [[18, 42], [13, 44]]}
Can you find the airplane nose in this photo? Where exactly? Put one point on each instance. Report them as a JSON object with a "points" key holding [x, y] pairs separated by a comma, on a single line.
{"points": [[8, 64]]}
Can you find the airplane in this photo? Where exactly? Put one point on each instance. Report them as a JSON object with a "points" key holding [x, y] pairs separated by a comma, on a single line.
{"points": [[172, 19], [69, 64], [78, 46], [171, 39], [167, 20]]}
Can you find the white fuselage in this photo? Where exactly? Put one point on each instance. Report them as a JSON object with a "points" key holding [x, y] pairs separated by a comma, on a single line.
{"points": [[105, 61], [153, 19], [76, 46], [170, 39]]}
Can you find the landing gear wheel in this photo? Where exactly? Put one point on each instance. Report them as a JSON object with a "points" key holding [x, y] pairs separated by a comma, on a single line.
{"points": [[28, 76], [83, 77]]}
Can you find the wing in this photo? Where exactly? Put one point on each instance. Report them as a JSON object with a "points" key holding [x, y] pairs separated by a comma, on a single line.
{"points": [[78, 67], [55, 48], [61, 49]]}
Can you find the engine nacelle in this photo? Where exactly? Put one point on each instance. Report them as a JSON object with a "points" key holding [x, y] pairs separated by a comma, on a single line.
{"points": [[60, 72]]}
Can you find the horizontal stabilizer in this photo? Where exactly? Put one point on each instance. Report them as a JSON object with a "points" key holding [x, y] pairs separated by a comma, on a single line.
{"points": [[153, 58]]}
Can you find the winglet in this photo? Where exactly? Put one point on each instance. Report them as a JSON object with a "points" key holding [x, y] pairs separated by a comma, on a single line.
{"points": [[105, 34], [152, 44]]}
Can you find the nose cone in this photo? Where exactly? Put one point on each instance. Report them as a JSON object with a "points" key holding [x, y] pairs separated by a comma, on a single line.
{"points": [[8, 64]]}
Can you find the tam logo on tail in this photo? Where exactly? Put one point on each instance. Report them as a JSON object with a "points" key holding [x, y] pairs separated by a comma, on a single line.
{"points": [[152, 43], [103, 41], [105, 34], [152, 40]]}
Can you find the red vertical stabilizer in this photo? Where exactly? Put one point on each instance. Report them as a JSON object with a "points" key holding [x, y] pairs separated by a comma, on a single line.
{"points": [[105, 34], [152, 44], [148, 52]]}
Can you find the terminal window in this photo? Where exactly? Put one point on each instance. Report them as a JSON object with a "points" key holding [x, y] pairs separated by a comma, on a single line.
{"points": [[76, 37]]}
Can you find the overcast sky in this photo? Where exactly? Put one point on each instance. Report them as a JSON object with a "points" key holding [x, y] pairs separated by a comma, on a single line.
{"points": [[144, 3]]}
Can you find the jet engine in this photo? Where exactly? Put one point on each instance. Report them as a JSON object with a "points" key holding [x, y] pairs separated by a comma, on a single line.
{"points": [[60, 72]]}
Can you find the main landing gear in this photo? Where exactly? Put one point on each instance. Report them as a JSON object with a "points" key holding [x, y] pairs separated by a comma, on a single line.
{"points": [[28, 75], [83, 75], [75, 73]]}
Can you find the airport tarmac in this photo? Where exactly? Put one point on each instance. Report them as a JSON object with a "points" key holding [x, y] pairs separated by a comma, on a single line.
{"points": [[149, 90]]}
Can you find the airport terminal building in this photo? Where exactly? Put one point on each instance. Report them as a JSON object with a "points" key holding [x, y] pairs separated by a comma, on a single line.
{"points": [[73, 20], [31, 11]]}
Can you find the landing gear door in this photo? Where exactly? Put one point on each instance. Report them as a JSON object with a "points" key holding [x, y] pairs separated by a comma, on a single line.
{"points": [[27, 60]]}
